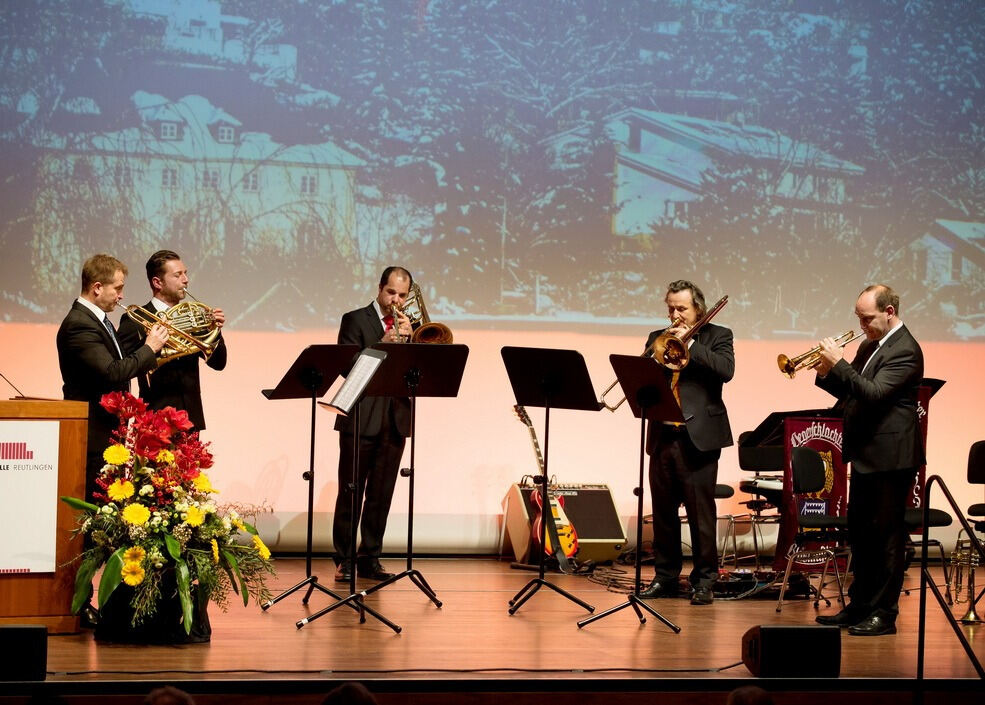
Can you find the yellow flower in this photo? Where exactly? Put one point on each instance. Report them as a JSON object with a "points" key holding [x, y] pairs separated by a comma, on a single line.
{"points": [[194, 516], [215, 551], [134, 554], [133, 574], [239, 524], [202, 483], [120, 489], [116, 454], [165, 456], [136, 514], [261, 547]]}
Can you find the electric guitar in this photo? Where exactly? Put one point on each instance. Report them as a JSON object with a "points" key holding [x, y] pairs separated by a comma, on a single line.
{"points": [[562, 540]]}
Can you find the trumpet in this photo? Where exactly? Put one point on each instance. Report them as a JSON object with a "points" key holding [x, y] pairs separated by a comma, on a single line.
{"points": [[964, 562], [812, 358], [191, 326]]}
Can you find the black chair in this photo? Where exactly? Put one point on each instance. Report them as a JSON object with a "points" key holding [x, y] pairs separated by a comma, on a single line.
{"points": [[937, 519], [966, 552], [830, 532]]}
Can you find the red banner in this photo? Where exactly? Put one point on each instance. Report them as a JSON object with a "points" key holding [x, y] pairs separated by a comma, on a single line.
{"points": [[824, 436]]}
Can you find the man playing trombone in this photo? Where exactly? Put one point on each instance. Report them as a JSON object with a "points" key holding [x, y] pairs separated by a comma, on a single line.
{"points": [[177, 382], [878, 395], [684, 457]]}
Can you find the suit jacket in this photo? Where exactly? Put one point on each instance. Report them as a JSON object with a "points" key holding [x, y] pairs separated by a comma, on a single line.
{"points": [[711, 364], [91, 368], [882, 431], [363, 327], [175, 383]]}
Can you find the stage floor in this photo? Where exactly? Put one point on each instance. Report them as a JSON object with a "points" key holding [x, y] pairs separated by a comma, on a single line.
{"points": [[473, 636]]}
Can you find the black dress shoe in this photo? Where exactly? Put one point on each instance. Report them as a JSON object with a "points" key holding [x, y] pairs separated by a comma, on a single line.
{"points": [[843, 619], [659, 589], [343, 572], [373, 572], [875, 625], [702, 596], [88, 617]]}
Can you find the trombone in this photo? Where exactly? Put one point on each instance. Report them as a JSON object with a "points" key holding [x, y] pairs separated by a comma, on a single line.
{"points": [[812, 358], [669, 350]]}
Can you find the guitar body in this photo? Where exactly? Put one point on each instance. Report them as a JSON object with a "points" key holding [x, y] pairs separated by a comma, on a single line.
{"points": [[560, 541]]}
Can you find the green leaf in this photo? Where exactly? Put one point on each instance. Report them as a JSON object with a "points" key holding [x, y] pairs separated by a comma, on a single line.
{"points": [[184, 593], [112, 575], [83, 583], [174, 548], [79, 504], [234, 566], [250, 528]]}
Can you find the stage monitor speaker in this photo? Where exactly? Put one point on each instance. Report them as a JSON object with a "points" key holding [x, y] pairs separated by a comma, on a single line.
{"points": [[785, 651], [26, 649], [590, 510]]}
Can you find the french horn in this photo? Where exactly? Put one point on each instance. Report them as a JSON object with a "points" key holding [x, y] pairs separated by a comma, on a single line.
{"points": [[191, 326]]}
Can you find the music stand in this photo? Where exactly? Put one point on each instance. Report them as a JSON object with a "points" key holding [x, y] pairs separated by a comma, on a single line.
{"points": [[650, 398], [310, 376], [556, 379], [410, 370]]}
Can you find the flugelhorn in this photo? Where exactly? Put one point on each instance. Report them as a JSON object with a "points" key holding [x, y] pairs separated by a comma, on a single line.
{"points": [[191, 326], [812, 358]]}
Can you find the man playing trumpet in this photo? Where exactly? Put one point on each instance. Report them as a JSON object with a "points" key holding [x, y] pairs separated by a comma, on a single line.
{"points": [[176, 383], [878, 395], [684, 458]]}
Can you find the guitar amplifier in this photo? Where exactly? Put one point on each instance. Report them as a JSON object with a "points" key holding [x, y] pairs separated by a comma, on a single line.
{"points": [[590, 510]]}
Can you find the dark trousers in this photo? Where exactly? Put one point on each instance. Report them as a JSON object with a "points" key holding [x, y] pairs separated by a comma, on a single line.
{"points": [[379, 463], [877, 532], [682, 474]]}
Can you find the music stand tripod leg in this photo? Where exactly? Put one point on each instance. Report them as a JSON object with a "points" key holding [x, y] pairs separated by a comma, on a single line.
{"points": [[354, 599], [310, 581], [634, 600], [528, 590], [410, 572]]}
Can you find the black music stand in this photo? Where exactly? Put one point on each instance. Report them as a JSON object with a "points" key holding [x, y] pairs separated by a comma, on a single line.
{"points": [[313, 372], [650, 398], [413, 370], [556, 379]]}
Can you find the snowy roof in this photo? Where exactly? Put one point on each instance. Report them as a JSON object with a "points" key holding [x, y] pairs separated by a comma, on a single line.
{"points": [[735, 140], [966, 238], [197, 114]]}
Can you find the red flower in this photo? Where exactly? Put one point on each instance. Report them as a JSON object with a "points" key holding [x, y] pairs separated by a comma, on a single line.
{"points": [[123, 404], [178, 420], [151, 433]]}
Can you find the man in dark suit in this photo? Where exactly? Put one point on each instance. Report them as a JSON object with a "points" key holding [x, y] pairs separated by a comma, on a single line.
{"points": [[92, 361], [877, 393], [384, 424], [684, 457], [177, 382]]}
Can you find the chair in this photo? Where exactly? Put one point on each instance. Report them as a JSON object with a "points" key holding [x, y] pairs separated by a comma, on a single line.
{"points": [[807, 475], [937, 518], [768, 495]]}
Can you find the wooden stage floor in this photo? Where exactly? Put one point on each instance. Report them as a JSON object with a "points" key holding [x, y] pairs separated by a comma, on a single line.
{"points": [[473, 638]]}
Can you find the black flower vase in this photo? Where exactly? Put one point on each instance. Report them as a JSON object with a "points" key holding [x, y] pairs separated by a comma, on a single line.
{"points": [[165, 626]]}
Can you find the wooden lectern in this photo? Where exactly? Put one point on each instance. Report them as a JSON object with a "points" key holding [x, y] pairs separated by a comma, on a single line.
{"points": [[46, 598]]}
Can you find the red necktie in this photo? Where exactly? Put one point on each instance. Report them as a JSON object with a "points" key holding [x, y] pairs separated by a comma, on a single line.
{"points": [[388, 323]]}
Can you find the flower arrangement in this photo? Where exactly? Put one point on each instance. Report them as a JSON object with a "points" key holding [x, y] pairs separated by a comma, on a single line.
{"points": [[156, 514]]}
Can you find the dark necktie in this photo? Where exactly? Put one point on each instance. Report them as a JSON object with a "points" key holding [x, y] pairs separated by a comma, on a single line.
{"points": [[112, 334], [867, 350]]}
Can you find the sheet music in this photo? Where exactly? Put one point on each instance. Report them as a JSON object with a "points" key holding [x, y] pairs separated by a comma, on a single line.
{"points": [[362, 372]]}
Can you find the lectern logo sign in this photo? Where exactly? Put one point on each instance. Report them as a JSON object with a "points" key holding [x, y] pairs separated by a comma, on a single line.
{"points": [[15, 451]]}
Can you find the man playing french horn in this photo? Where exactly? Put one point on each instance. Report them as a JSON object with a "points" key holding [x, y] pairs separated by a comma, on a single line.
{"points": [[176, 383]]}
